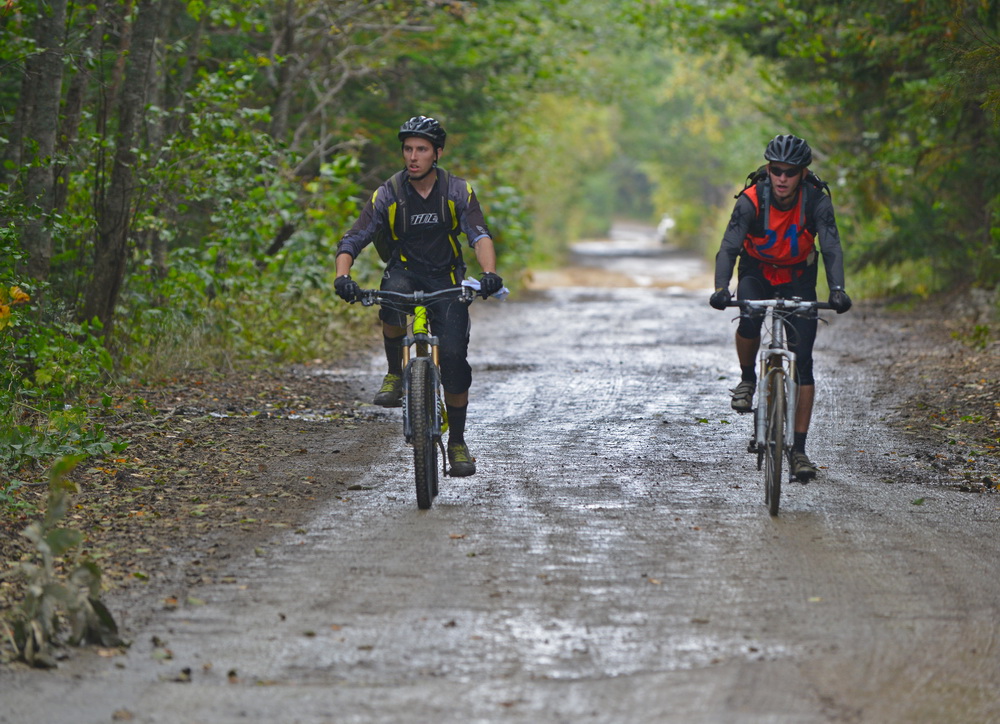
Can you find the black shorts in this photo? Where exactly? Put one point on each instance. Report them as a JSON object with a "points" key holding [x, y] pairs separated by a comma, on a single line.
{"points": [[449, 322], [801, 332]]}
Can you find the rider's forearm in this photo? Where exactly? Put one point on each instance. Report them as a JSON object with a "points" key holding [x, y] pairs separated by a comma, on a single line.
{"points": [[486, 254], [344, 263]]}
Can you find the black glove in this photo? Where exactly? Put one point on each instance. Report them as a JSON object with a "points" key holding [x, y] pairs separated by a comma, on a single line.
{"points": [[489, 284], [840, 301], [720, 298], [346, 288]]}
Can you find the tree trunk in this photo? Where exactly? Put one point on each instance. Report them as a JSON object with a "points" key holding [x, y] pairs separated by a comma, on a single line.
{"points": [[73, 106], [285, 22], [115, 213], [44, 73], [14, 148]]}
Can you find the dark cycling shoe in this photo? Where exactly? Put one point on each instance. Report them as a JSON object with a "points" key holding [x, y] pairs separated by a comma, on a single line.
{"points": [[391, 392], [743, 396], [460, 460], [802, 468]]}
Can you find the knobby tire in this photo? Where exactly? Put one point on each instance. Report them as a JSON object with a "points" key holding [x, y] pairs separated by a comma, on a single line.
{"points": [[420, 406], [774, 441]]}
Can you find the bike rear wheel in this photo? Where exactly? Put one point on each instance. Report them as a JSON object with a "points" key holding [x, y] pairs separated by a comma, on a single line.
{"points": [[774, 440], [420, 408]]}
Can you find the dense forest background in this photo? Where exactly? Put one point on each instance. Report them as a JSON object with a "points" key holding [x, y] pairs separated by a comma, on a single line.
{"points": [[175, 175]]}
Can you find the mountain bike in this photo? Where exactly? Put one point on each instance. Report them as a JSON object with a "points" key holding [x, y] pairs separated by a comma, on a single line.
{"points": [[425, 416], [777, 390]]}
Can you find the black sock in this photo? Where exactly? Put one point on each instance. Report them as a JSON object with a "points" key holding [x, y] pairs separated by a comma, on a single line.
{"points": [[394, 354], [749, 373], [800, 442], [456, 424]]}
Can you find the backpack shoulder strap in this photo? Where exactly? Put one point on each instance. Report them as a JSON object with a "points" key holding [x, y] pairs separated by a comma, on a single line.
{"points": [[444, 178], [753, 177], [399, 220], [819, 183], [397, 183], [812, 190], [385, 240]]}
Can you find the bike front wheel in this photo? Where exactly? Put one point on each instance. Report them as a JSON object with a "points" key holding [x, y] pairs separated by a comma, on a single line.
{"points": [[421, 410], [774, 440]]}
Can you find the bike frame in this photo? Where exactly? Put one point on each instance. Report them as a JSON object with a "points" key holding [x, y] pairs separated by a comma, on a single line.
{"points": [[424, 424], [418, 343], [776, 360]]}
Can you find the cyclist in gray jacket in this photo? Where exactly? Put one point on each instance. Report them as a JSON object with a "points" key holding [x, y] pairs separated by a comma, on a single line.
{"points": [[415, 219], [773, 232]]}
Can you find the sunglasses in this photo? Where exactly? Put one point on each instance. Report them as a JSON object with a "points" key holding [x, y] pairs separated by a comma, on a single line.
{"points": [[793, 171]]}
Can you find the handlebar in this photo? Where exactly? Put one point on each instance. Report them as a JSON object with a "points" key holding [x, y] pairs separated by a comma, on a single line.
{"points": [[782, 305], [378, 296]]}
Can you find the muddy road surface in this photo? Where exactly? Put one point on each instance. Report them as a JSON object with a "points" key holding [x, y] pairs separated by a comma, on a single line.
{"points": [[611, 561]]}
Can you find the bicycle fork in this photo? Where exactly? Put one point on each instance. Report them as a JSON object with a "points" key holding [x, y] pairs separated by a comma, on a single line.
{"points": [[423, 344]]}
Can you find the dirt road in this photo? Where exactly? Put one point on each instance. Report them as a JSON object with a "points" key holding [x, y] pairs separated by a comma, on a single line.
{"points": [[611, 561]]}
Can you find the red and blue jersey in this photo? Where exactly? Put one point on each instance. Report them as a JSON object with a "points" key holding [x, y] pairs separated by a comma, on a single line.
{"points": [[781, 240], [778, 241]]}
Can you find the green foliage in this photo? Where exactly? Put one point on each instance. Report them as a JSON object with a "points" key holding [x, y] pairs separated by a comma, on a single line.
{"points": [[510, 222], [215, 182], [909, 277], [10, 499], [49, 365], [978, 337], [52, 363], [892, 97], [228, 296], [55, 600], [695, 137]]}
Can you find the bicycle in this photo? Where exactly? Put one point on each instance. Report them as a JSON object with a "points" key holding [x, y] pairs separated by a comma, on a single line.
{"points": [[777, 390], [425, 416]]}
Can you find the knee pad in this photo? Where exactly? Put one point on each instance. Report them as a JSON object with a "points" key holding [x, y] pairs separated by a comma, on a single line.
{"points": [[391, 316], [456, 374], [749, 328], [804, 371]]}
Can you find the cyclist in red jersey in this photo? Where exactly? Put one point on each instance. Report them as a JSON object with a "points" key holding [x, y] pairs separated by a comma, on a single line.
{"points": [[773, 232]]}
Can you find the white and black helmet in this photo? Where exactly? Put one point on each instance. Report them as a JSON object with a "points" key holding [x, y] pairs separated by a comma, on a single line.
{"points": [[789, 149], [424, 127]]}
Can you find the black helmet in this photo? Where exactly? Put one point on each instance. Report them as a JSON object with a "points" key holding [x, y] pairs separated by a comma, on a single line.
{"points": [[425, 128], [789, 149]]}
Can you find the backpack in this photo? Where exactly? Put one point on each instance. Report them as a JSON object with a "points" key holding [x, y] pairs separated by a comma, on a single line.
{"points": [[386, 239]]}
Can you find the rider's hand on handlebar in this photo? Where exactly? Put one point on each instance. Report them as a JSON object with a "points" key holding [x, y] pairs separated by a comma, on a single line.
{"points": [[840, 301], [489, 284], [720, 298], [346, 288]]}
